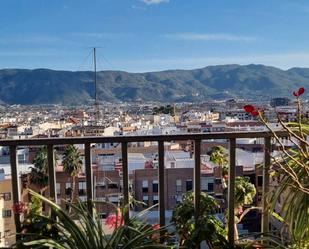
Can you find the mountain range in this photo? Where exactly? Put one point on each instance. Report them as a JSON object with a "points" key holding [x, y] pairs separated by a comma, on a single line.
{"points": [[45, 86]]}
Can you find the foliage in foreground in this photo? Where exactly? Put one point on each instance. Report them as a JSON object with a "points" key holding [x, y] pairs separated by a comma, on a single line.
{"points": [[35, 224], [290, 172], [206, 228], [86, 232], [294, 202]]}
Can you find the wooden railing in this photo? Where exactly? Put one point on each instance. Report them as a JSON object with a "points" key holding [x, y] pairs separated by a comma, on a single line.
{"points": [[124, 140]]}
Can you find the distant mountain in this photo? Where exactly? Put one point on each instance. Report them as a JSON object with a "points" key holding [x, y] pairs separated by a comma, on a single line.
{"points": [[44, 86]]}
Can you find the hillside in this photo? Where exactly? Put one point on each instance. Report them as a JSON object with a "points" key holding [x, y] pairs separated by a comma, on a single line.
{"points": [[42, 86]]}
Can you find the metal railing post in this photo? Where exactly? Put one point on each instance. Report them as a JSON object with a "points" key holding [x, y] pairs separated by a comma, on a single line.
{"points": [[197, 176], [265, 188], [125, 175], [51, 175], [161, 184], [231, 192], [197, 179], [89, 178], [15, 187], [51, 172]]}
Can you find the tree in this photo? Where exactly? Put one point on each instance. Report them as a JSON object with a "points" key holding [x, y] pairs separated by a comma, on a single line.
{"points": [[168, 109], [244, 190], [219, 156], [38, 175], [244, 194], [206, 227], [72, 165]]}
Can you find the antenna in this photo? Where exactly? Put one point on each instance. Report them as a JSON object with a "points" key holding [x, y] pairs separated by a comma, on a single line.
{"points": [[96, 103]]}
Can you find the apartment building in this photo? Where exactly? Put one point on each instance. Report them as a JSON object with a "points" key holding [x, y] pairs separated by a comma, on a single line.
{"points": [[108, 187], [180, 180], [7, 225]]}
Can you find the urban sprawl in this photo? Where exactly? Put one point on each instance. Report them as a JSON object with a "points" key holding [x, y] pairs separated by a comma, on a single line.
{"points": [[136, 119]]}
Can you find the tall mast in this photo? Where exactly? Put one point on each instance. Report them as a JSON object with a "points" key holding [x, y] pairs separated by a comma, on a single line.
{"points": [[96, 104]]}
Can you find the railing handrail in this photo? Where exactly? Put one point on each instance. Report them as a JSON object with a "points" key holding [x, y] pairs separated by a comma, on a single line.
{"points": [[137, 138]]}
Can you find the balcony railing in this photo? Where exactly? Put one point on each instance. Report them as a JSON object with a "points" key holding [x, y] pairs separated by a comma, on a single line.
{"points": [[124, 140]]}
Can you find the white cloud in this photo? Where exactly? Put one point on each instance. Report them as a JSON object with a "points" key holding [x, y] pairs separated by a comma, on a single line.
{"points": [[210, 37], [155, 1], [34, 39], [36, 52], [103, 35], [30, 39]]}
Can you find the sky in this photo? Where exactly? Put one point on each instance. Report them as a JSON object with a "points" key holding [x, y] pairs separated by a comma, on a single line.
{"points": [[152, 35]]}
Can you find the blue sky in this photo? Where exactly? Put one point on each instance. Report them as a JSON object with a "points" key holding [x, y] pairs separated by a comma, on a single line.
{"points": [[150, 35]]}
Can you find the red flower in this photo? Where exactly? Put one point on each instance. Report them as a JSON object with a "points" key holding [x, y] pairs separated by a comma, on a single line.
{"points": [[249, 108], [114, 220], [299, 92], [254, 113], [19, 207], [252, 110], [155, 227]]}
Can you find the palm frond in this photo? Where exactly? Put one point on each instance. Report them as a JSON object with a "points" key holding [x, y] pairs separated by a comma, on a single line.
{"points": [[86, 232]]}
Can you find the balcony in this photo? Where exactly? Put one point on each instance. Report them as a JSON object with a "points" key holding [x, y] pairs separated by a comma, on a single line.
{"points": [[124, 140]]}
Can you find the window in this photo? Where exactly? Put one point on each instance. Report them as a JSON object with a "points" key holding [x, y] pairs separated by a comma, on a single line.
{"points": [[204, 184], [6, 213], [210, 187], [145, 186], [102, 215], [218, 181], [7, 196], [58, 189], [113, 185], [188, 185], [178, 198], [207, 184], [68, 188], [172, 165], [155, 186], [101, 184], [81, 188], [146, 200], [178, 185], [21, 158], [114, 199], [260, 181], [155, 199]]}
